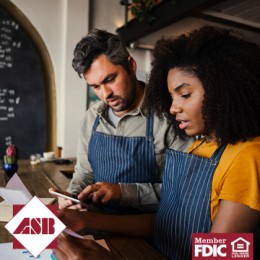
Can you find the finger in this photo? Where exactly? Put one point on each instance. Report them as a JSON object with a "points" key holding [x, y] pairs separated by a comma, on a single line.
{"points": [[59, 255], [59, 251], [70, 245], [98, 195], [75, 206], [63, 200], [52, 189], [107, 197], [100, 183], [59, 191], [85, 192], [89, 244], [64, 203], [63, 247]]}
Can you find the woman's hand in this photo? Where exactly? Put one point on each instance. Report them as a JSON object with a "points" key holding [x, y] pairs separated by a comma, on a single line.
{"points": [[66, 203], [74, 219], [72, 248]]}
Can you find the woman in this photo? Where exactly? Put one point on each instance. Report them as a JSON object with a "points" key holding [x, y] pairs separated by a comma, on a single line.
{"points": [[207, 83]]}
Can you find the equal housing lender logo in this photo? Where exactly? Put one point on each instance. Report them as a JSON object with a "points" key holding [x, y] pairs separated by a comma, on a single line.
{"points": [[34, 226], [222, 246]]}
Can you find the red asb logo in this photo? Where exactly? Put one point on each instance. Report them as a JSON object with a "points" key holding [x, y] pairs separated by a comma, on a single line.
{"points": [[222, 246], [36, 226]]}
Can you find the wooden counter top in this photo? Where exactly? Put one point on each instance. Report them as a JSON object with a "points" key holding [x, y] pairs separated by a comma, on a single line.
{"points": [[39, 178]]}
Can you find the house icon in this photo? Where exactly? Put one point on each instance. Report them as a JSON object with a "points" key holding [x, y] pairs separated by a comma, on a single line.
{"points": [[240, 245]]}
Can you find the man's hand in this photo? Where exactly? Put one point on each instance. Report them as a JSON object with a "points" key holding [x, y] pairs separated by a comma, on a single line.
{"points": [[65, 203], [101, 192], [71, 248]]}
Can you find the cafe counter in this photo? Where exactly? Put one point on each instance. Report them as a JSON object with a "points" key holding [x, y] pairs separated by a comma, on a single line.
{"points": [[39, 178]]}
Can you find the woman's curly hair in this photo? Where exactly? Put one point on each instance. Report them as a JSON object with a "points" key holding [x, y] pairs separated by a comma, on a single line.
{"points": [[228, 67]]}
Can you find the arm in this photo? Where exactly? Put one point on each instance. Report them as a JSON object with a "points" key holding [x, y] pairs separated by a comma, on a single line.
{"points": [[141, 225], [236, 188], [75, 248], [83, 174], [234, 217], [143, 196], [127, 194]]}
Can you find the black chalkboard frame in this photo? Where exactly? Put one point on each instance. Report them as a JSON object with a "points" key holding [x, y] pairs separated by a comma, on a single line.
{"points": [[47, 67]]}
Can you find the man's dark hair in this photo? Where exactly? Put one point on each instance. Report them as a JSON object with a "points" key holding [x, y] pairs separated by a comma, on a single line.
{"points": [[98, 42], [229, 68]]}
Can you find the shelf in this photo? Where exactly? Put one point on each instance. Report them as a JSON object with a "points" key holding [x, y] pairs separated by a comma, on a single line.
{"points": [[165, 13]]}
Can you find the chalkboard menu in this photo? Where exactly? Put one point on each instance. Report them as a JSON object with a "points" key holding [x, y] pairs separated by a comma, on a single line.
{"points": [[23, 106]]}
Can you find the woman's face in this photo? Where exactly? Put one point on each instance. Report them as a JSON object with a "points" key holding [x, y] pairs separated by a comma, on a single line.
{"points": [[187, 96]]}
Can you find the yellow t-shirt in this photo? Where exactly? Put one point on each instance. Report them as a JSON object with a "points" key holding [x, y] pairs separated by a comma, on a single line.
{"points": [[237, 176]]}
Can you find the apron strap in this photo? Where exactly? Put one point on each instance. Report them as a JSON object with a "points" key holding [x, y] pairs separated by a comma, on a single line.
{"points": [[149, 124], [95, 124], [218, 153]]}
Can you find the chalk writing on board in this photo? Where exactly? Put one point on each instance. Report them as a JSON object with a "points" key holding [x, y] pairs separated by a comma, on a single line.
{"points": [[8, 102], [8, 140], [7, 43], [23, 106]]}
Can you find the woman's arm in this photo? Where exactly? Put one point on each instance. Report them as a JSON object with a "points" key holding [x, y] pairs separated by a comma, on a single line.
{"points": [[72, 248], [134, 225], [235, 217]]}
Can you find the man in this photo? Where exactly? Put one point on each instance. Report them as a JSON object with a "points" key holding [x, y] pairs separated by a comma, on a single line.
{"points": [[121, 144]]}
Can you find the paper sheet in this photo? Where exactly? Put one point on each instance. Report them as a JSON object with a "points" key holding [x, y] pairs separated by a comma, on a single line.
{"points": [[102, 242], [15, 183], [13, 196], [6, 209], [15, 192], [8, 253]]}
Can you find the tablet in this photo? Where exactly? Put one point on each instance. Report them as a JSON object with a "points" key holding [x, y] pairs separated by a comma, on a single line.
{"points": [[64, 196]]}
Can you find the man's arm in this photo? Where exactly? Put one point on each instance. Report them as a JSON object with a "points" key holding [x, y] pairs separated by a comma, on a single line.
{"points": [[126, 194], [143, 196], [81, 179], [83, 174]]}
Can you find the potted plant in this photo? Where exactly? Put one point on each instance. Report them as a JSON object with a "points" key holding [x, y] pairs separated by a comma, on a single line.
{"points": [[10, 160], [142, 10]]}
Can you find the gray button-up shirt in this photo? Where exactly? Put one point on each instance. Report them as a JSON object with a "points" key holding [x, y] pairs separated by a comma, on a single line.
{"points": [[144, 196]]}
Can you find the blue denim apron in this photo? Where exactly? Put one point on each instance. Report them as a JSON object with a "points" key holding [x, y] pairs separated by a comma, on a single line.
{"points": [[185, 202], [123, 159]]}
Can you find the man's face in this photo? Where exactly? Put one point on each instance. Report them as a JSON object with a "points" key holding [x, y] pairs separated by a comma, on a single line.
{"points": [[113, 85]]}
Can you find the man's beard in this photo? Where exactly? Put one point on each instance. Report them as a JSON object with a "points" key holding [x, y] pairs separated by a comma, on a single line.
{"points": [[124, 104]]}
